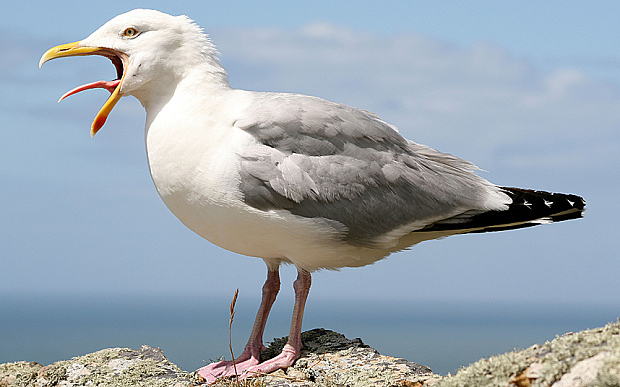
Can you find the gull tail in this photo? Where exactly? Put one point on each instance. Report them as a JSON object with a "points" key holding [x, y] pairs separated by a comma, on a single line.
{"points": [[528, 208]]}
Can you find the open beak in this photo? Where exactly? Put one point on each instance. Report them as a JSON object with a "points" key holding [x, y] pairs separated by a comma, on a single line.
{"points": [[114, 87]]}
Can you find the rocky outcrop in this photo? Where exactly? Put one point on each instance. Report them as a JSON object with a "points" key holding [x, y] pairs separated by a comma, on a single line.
{"points": [[328, 359], [109, 367], [588, 358]]}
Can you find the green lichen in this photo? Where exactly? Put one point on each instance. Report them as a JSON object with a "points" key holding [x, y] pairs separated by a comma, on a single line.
{"points": [[19, 374], [103, 355], [140, 373], [148, 367], [609, 373], [145, 367], [231, 382], [557, 358], [54, 373]]}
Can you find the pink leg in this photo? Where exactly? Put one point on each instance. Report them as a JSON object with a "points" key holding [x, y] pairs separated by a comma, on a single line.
{"points": [[292, 349], [251, 354]]}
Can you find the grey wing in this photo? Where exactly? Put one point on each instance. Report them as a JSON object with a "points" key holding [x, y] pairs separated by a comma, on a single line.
{"points": [[321, 159], [294, 123]]}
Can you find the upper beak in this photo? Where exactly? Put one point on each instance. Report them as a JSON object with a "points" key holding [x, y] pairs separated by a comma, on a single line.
{"points": [[74, 49], [69, 49]]}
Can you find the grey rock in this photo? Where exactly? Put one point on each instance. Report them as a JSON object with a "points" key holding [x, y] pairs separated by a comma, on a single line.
{"points": [[117, 367], [584, 373], [317, 341], [329, 358], [588, 358]]}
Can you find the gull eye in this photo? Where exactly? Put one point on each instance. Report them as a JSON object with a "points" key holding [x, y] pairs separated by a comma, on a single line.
{"points": [[130, 32]]}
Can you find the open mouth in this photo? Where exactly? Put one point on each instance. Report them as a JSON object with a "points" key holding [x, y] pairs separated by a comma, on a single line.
{"points": [[110, 86], [118, 60]]}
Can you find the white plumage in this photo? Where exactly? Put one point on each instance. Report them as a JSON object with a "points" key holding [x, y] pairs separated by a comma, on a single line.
{"points": [[287, 177]]}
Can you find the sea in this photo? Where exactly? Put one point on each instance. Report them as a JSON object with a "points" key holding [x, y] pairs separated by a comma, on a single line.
{"points": [[193, 331]]}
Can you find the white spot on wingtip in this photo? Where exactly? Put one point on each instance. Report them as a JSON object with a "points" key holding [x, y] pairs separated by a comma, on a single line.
{"points": [[549, 203]]}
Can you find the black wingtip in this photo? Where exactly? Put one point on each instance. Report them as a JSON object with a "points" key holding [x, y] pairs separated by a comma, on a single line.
{"points": [[556, 206], [528, 208]]}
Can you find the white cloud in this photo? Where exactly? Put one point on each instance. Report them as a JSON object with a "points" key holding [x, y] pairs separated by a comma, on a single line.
{"points": [[479, 99]]}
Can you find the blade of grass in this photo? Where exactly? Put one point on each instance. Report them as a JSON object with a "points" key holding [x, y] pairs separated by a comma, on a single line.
{"points": [[232, 316]]}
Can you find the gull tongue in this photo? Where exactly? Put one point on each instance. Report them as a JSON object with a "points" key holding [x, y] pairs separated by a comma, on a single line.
{"points": [[108, 85], [113, 87]]}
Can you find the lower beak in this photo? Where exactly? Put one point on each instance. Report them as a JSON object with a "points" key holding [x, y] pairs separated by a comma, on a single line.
{"points": [[74, 49], [105, 110]]}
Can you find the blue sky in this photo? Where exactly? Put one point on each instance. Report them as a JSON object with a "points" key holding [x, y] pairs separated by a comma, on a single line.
{"points": [[529, 92]]}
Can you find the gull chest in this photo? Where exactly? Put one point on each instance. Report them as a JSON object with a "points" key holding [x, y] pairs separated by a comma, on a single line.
{"points": [[196, 175]]}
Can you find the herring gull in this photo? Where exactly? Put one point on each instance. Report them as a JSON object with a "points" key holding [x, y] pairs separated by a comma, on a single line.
{"points": [[288, 178]]}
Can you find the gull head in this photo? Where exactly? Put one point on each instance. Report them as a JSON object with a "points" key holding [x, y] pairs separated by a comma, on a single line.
{"points": [[150, 50]]}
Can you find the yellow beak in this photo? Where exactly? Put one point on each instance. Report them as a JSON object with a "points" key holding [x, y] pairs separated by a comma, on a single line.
{"points": [[73, 49], [69, 49]]}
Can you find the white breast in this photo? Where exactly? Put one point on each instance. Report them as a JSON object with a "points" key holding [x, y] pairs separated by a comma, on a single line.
{"points": [[194, 164]]}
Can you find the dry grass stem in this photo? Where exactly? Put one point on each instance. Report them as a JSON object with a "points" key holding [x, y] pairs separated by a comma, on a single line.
{"points": [[318, 361], [232, 316]]}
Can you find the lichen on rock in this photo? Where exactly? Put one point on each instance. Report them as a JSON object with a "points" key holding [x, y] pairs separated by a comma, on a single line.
{"points": [[588, 358], [330, 359], [21, 373], [116, 367], [551, 361]]}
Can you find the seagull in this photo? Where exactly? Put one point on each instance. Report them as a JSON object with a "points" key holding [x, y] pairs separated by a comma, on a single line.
{"points": [[288, 178]]}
